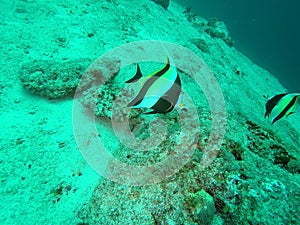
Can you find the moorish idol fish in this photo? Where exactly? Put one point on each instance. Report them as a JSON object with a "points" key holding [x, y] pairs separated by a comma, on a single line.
{"points": [[281, 106], [161, 90]]}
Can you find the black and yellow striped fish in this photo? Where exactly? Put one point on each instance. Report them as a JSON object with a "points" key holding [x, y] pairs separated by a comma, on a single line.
{"points": [[281, 106], [161, 90]]}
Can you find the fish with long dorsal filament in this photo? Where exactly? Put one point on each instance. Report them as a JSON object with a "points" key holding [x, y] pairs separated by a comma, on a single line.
{"points": [[281, 106], [161, 90]]}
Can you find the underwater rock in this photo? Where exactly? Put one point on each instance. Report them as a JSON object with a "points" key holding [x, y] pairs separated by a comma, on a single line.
{"points": [[159, 204], [98, 91], [163, 3], [201, 207], [265, 144], [191, 16], [218, 29], [101, 100], [201, 43], [254, 179], [52, 79]]}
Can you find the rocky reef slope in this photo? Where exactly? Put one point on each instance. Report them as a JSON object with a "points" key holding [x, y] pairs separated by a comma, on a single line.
{"points": [[47, 46]]}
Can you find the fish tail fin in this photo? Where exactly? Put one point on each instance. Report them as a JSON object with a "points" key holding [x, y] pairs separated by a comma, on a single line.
{"points": [[137, 75], [267, 114]]}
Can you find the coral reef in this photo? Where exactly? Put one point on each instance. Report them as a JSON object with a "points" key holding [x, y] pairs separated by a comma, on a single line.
{"points": [[161, 204], [218, 29], [52, 79], [266, 145], [189, 14], [99, 91], [200, 206], [201, 43], [254, 179], [218, 195]]}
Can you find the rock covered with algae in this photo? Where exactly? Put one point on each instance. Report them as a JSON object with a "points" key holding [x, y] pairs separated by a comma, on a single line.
{"points": [[52, 79], [253, 180], [242, 185]]}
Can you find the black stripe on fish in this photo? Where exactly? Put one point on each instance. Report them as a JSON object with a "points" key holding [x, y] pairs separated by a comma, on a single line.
{"points": [[167, 102], [286, 109], [137, 100], [137, 75], [271, 103], [161, 106]]}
